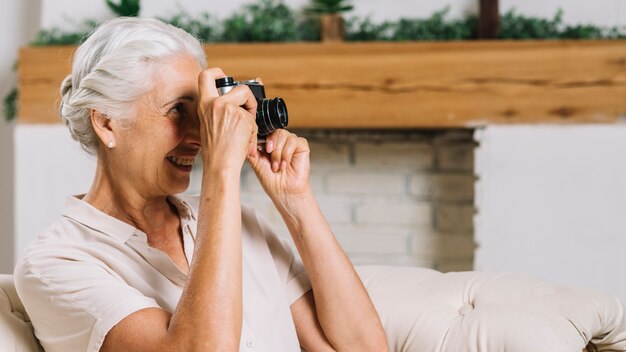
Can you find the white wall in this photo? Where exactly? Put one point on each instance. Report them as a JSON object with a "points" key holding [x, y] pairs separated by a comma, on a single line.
{"points": [[551, 202], [600, 12], [19, 20], [49, 166]]}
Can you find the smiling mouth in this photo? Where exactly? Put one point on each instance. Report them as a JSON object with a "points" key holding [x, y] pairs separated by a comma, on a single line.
{"points": [[185, 163]]}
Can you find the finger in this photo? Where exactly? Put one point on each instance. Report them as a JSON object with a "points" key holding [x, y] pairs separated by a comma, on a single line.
{"points": [[279, 143], [258, 79], [290, 147], [241, 96], [206, 83], [252, 145], [303, 145], [270, 141], [250, 123]]}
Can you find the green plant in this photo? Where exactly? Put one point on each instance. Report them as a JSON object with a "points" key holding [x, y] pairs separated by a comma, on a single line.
{"points": [[435, 27], [581, 32], [124, 7], [515, 26], [203, 26], [56, 36], [264, 21], [592, 32], [329, 6], [438, 27], [363, 29], [9, 104], [616, 33], [308, 27]]}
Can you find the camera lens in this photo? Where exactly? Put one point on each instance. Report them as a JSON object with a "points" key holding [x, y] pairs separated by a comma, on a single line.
{"points": [[271, 114]]}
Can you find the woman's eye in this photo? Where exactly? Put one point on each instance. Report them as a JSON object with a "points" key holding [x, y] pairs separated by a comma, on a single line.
{"points": [[177, 109]]}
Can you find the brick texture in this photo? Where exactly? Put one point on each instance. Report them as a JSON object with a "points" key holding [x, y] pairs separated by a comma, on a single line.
{"points": [[359, 182], [397, 197], [456, 218], [396, 155], [394, 213], [456, 157], [442, 186]]}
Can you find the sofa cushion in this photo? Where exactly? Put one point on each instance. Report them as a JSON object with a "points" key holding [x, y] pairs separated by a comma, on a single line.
{"points": [[425, 310]]}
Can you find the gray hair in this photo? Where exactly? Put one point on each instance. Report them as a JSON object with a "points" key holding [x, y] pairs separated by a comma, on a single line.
{"points": [[110, 70]]}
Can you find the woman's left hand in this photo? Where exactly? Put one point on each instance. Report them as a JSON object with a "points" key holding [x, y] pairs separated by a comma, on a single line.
{"points": [[282, 166]]}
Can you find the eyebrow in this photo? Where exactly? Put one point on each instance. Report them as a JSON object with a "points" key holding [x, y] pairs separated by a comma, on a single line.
{"points": [[184, 97]]}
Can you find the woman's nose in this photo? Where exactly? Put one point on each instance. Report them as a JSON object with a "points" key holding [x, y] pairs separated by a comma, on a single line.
{"points": [[191, 127]]}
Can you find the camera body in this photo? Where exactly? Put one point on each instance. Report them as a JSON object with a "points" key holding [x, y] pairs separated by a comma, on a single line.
{"points": [[271, 114]]}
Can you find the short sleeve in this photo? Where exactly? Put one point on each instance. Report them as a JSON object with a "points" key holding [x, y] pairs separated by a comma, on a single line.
{"points": [[290, 269], [72, 303]]}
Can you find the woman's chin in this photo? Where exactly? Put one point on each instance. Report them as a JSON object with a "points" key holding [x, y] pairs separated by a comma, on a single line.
{"points": [[177, 185]]}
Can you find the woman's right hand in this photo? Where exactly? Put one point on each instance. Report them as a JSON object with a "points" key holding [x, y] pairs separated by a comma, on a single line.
{"points": [[228, 129]]}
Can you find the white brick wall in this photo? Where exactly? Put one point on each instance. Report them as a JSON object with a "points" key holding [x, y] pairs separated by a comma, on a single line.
{"points": [[394, 212], [397, 197], [389, 154], [373, 182]]}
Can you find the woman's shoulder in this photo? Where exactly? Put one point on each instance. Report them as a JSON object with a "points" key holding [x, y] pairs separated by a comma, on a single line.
{"points": [[67, 240], [62, 231], [61, 235], [54, 242]]}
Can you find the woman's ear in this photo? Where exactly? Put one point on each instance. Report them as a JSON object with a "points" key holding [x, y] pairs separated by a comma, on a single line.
{"points": [[102, 126]]}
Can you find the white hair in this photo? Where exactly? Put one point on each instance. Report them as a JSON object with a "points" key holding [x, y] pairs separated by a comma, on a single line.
{"points": [[111, 69]]}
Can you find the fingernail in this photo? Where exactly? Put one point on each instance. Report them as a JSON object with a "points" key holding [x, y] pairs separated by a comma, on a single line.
{"points": [[274, 166], [269, 146], [283, 165]]}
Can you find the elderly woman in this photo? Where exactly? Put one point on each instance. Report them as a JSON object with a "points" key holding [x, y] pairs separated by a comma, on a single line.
{"points": [[131, 266]]}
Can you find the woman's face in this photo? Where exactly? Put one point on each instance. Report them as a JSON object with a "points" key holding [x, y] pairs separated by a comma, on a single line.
{"points": [[155, 151]]}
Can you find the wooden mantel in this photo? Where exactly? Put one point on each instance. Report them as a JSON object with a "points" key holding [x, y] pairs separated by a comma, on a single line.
{"points": [[398, 85]]}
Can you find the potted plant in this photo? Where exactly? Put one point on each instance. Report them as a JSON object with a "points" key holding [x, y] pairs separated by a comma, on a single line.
{"points": [[331, 21]]}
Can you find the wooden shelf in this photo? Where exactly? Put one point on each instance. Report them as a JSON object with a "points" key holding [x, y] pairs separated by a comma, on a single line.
{"points": [[398, 85]]}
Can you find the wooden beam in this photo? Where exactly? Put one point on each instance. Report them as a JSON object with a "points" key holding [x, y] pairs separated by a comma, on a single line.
{"points": [[489, 20], [398, 85]]}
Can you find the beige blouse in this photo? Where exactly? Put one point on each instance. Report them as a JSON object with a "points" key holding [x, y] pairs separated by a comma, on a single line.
{"points": [[88, 271]]}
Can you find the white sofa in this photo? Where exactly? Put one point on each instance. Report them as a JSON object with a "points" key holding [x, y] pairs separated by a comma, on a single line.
{"points": [[424, 310]]}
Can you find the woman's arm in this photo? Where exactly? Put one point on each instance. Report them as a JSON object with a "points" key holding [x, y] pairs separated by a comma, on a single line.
{"points": [[340, 310], [345, 312], [209, 314]]}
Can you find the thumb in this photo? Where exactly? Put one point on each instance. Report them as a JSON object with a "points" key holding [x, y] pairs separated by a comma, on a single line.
{"points": [[206, 83]]}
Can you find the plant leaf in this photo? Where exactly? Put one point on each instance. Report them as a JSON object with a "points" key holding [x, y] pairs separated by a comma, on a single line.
{"points": [[125, 7]]}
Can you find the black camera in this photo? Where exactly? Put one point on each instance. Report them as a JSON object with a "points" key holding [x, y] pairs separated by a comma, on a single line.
{"points": [[271, 114]]}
